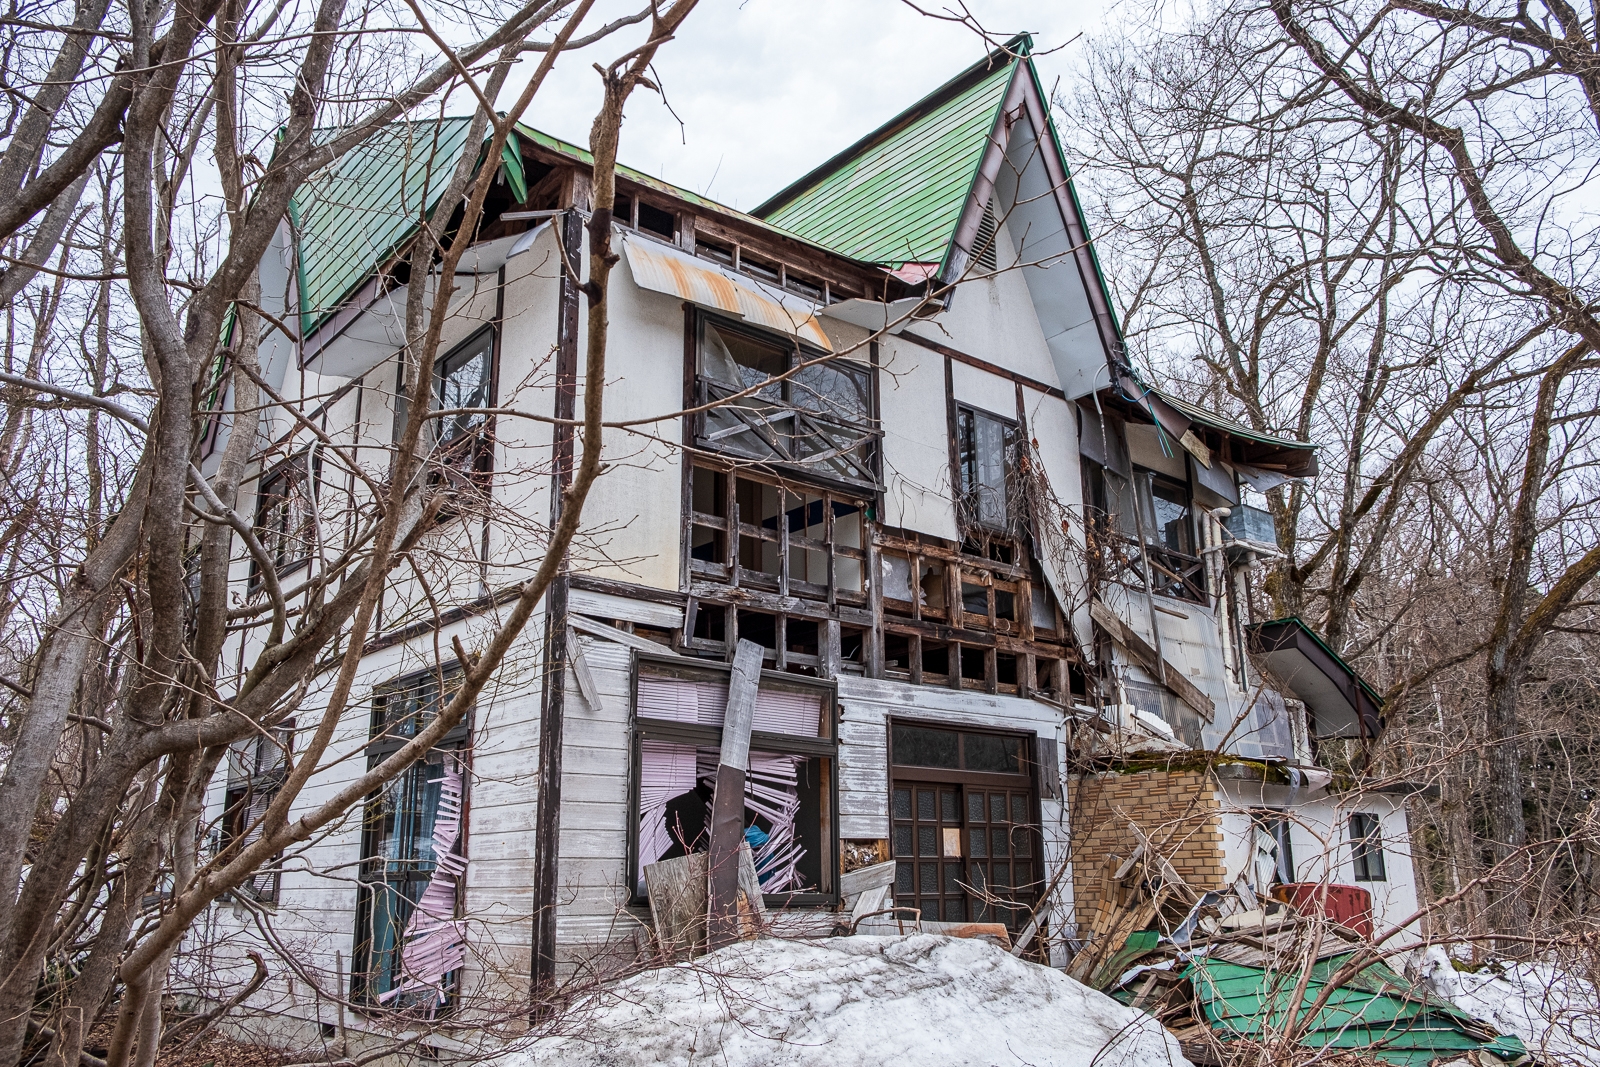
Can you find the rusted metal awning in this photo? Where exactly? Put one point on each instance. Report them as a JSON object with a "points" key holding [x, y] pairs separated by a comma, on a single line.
{"points": [[666, 270]]}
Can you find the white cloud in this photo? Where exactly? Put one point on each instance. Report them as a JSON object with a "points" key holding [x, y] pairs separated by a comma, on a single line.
{"points": [[768, 89]]}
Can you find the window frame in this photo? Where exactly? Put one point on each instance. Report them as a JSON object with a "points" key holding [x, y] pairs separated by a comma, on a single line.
{"points": [[242, 790], [1366, 849], [866, 456], [307, 463], [469, 452], [1277, 824], [969, 515], [456, 743], [642, 728]]}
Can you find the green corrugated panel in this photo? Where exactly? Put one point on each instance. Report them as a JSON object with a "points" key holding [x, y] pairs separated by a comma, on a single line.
{"points": [[898, 200], [1376, 1012], [352, 216]]}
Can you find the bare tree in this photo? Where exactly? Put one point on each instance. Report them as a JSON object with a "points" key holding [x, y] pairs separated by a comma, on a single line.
{"points": [[123, 708]]}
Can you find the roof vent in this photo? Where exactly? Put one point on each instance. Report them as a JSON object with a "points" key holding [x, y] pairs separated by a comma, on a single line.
{"points": [[983, 244]]}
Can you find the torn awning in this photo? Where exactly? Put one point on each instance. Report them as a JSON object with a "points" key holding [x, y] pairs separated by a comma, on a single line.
{"points": [[1340, 704], [666, 270]]}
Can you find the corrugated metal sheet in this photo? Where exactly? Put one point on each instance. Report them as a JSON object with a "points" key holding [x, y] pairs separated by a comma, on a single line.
{"points": [[1377, 1012], [353, 215], [664, 270], [898, 199]]}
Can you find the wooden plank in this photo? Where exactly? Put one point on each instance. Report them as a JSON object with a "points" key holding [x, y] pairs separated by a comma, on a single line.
{"points": [[580, 671], [727, 806], [610, 606], [677, 889], [607, 632]]}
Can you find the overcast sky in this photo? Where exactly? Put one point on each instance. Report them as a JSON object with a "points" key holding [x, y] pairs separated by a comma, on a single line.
{"points": [[768, 89]]}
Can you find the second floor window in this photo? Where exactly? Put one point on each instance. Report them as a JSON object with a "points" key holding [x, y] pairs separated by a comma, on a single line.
{"points": [[463, 378], [817, 421], [286, 518], [986, 452]]}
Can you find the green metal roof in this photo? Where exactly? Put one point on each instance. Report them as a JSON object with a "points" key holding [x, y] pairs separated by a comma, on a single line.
{"points": [[896, 196], [1377, 1012], [356, 213]]}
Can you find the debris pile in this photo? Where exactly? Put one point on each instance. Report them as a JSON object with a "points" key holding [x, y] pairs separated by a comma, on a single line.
{"points": [[1225, 967]]}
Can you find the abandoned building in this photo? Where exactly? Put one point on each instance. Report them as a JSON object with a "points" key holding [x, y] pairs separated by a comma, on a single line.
{"points": [[970, 538]]}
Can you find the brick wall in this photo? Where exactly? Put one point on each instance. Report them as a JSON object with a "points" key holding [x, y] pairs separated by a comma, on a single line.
{"points": [[1177, 810]]}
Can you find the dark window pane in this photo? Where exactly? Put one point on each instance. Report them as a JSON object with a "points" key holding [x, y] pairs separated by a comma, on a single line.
{"points": [[980, 910], [902, 880], [975, 807], [925, 802], [927, 841], [948, 810], [996, 755], [902, 803], [915, 746], [463, 382], [1022, 842], [928, 878], [1172, 526], [952, 877], [955, 911], [997, 807], [902, 840], [980, 843], [1000, 842], [833, 389], [1019, 808]]}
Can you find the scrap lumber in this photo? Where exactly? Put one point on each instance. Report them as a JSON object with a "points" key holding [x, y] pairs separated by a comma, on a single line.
{"points": [[677, 890], [727, 806]]}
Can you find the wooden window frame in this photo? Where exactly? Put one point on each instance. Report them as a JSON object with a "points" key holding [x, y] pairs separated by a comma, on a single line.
{"points": [[306, 464]]}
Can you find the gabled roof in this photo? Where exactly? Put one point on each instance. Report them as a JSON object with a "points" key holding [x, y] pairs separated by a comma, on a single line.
{"points": [[895, 196], [352, 216]]}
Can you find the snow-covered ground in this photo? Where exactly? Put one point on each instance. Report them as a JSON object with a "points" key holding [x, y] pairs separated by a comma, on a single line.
{"points": [[854, 1002], [1556, 1013]]}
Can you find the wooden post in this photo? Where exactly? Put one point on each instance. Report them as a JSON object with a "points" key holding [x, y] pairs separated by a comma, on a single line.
{"points": [[547, 820], [727, 806]]}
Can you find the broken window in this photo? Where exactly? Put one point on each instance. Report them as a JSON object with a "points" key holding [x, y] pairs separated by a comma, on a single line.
{"points": [[1366, 847], [1163, 704], [789, 789], [817, 420], [286, 517], [1273, 851], [985, 452], [256, 768], [409, 938]]}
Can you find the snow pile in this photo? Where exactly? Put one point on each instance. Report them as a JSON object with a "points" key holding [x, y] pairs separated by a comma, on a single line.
{"points": [[1554, 1012], [854, 1002]]}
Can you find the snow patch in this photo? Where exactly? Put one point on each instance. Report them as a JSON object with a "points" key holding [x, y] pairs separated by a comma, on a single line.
{"points": [[1554, 1012], [854, 1002]]}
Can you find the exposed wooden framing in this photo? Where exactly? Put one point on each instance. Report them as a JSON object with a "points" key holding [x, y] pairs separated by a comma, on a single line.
{"points": [[1150, 659]]}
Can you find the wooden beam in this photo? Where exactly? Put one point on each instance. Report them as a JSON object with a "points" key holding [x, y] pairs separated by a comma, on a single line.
{"points": [[1150, 660]]}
